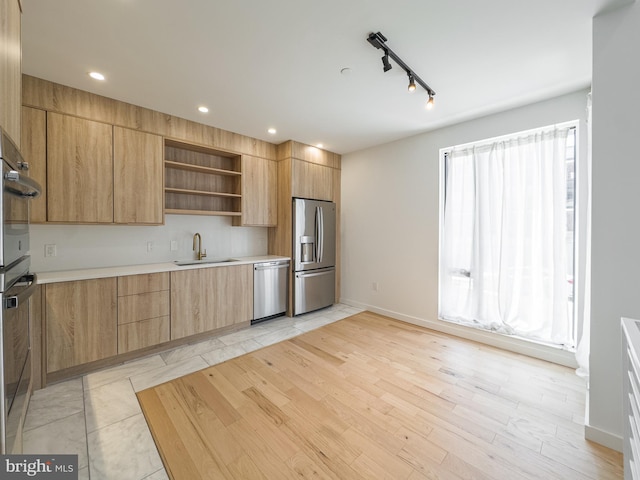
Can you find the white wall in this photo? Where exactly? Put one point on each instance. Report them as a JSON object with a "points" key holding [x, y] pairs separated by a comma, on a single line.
{"points": [[616, 202], [390, 210], [83, 246]]}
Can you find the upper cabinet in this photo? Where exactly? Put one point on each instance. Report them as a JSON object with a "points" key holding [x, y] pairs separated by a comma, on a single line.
{"points": [[34, 150], [79, 170], [10, 68], [109, 162], [138, 176], [93, 172], [259, 192], [310, 180]]}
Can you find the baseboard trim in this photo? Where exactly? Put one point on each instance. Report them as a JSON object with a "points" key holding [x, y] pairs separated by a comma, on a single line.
{"points": [[607, 439], [542, 352]]}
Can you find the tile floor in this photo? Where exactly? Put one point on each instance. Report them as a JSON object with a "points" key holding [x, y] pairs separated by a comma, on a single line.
{"points": [[98, 416]]}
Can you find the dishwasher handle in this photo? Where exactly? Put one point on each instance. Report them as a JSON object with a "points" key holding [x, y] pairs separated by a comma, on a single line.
{"points": [[270, 265]]}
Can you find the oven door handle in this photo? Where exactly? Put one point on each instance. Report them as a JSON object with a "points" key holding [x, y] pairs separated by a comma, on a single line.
{"points": [[14, 301], [33, 187]]}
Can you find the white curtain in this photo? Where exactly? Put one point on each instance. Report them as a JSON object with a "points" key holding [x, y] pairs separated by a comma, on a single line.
{"points": [[582, 352], [504, 252]]}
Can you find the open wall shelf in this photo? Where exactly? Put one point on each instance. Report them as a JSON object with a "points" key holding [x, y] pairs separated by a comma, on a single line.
{"points": [[201, 181]]}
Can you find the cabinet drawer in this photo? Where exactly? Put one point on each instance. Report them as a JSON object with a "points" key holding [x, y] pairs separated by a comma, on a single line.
{"points": [[145, 333], [134, 284], [134, 308]]}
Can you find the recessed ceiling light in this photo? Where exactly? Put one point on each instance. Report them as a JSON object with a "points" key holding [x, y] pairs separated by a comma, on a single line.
{"points": [[96, 75], [272, 131], [203, 109], [319, 145]]}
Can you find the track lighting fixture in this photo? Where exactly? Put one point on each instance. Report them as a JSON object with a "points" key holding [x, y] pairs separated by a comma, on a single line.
{"points": [[386, 66], [378, 41], [412, 84]]}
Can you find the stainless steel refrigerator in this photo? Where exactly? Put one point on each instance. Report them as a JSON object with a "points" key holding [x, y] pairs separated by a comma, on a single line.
{"points": [[314, 255]]}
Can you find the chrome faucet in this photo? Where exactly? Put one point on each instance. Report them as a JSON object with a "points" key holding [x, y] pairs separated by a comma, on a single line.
{"points": [[200, 254]]}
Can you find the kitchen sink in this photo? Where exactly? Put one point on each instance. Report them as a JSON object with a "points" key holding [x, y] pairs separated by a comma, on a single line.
{"points": [[183, 263]]}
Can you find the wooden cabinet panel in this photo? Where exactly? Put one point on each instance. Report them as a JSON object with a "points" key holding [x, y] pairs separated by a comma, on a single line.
{"points": [[259, 192], [81, 322], [10, 68], [233, 289], [310, 180], [146, 333], [79, 170], [34, 151], [209, 298], [134, 284], [143, 306], [138, 177]]}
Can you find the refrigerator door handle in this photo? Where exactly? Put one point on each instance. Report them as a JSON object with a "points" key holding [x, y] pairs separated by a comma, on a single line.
{"points": [[321, 235], [316, 234], [315, 274]]}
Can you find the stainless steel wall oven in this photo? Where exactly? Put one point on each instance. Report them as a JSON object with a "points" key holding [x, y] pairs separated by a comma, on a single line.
{"points": [[16, 286]]}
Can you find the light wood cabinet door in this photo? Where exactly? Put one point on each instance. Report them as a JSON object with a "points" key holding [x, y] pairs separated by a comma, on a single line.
{"points": [[81, 322], [310, 180], [259, 192], [138, 172], [34, 151], [79, 170], [10, 69], [206, 299]]}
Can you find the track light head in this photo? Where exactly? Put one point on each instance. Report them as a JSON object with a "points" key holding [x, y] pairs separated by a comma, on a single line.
{"points": [[430, 102], [412, 84], [386, 66]]}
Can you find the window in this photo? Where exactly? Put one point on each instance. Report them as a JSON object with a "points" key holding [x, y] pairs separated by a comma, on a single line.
{"points": [[507, 234]]}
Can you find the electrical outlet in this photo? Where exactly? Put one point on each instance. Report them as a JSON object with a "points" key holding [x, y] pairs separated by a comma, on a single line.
{"points": [[149, 247], [50, 250], [174, 245], [374, 286]]}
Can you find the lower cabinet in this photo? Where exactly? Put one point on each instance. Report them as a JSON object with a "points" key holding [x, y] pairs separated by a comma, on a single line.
{"points": [[90, 320], [80, 322], [206, 299], [143, 311]]}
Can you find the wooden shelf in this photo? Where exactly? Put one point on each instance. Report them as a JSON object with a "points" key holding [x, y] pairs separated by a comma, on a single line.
{"points": [[197, 168], [174, 211], [202, 192], [201, 181]]}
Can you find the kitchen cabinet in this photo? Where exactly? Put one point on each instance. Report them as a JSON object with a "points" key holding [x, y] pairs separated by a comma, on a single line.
{"points": [[259, 192], [10, 68], [98, 173], [79, 170], [206, 299], [311, 180], [201, 181], [81, 322], [143, 311], [138, 177], [34, 151]]}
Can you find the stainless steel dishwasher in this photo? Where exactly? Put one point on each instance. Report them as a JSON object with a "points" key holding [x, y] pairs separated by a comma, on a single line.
{"points": [[270, 280]]}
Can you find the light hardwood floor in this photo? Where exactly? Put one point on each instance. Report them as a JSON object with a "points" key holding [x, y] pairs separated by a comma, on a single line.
{"points": [[369, 397]]}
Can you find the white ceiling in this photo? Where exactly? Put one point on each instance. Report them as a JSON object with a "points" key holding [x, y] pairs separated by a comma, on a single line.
{"points": [[258, 64]]}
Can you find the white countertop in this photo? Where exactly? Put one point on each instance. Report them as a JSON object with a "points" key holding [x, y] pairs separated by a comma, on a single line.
{"points": [[105, 272]]}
